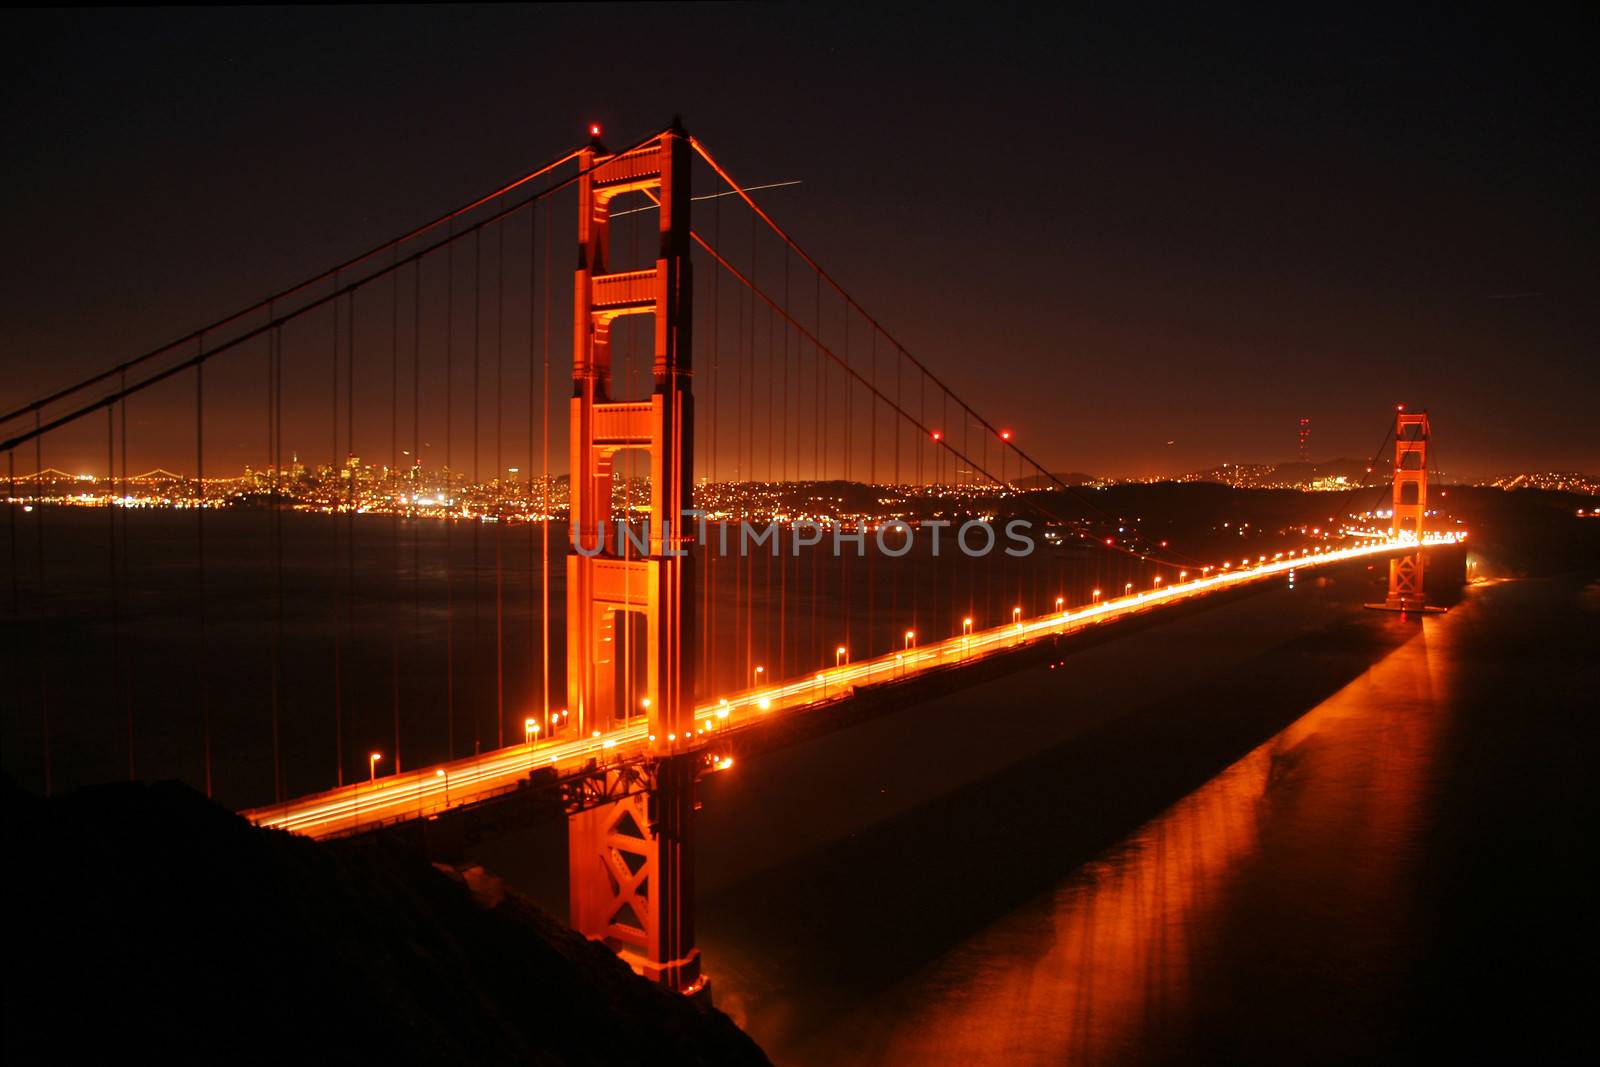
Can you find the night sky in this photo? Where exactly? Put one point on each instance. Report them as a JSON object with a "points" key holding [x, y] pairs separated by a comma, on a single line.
{"points": [[1109, 235]]}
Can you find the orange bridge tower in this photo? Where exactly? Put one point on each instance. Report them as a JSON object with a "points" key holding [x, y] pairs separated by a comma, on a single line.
{"points": [[1410, 507], [630, 866]]}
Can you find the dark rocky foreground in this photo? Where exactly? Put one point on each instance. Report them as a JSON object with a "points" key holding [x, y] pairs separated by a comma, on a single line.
{"points": [[147, 923]]}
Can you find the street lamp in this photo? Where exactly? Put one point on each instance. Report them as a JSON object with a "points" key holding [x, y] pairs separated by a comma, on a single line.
{"points": [[756, 680], [1158, 581], [1128, 588], [1016, 617], [530, 730], [372, 766], [838, 656], [440, 774], [1094, 598], [911, 637], [966, 626]]}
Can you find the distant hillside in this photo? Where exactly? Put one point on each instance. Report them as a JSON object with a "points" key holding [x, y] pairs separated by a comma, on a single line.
{"points": [[1051, 481], [148, 924], [1325, 475], [1328, 474], [1553, 481]]}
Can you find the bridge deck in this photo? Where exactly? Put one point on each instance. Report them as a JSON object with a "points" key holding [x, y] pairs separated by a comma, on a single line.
{"points": [[430, 790]]}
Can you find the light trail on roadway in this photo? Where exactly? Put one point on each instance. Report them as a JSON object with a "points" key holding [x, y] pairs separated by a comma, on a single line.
{"points": [[431, 790]]}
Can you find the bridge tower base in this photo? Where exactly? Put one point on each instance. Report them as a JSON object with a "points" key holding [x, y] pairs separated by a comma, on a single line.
{"points": [[631, 869]]}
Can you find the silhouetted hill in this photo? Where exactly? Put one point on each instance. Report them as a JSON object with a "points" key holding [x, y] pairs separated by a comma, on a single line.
{"points": [[148, 924], [1051, 481], [1296, 474]]}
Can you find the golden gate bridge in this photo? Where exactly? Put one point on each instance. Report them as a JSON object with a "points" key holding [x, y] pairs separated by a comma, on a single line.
{"points": [[678, 656]]}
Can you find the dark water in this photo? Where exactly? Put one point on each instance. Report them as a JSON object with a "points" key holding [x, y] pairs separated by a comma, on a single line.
{"points": [[148, 640], [1284, 831]]}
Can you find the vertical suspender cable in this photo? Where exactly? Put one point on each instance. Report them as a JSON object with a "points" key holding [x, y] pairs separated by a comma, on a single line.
{"points": [[124, 677], [44, 685], [338, 649], [872, 473], [475, 659], [533, 380], [416, 472], [499, 475], [392, 490], [201, 664], [275, 543], [352, 473], [533, 386], [546, 495], [544, 461], [849, 446], [11, 509], [819, 458], [111, 544], [740, 473], [714, 383], [449, 502], [783, 480]]}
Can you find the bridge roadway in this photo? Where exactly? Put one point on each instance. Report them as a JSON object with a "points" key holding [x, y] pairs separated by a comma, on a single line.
{"points": [[426, 792]]}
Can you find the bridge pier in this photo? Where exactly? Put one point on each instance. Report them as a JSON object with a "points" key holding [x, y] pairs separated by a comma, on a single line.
{"points": [[630, 859]]}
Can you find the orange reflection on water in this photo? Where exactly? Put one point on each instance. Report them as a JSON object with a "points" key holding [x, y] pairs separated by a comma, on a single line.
{"points": [[1121, 962]]}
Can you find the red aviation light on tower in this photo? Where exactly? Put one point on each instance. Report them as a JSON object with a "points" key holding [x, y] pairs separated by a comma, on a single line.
{"points": [[937, 436], [1005, 435], [594, 129]]}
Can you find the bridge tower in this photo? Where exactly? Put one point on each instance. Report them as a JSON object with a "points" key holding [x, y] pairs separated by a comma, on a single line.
{"points": [[1410, 506], [628, 845]]}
